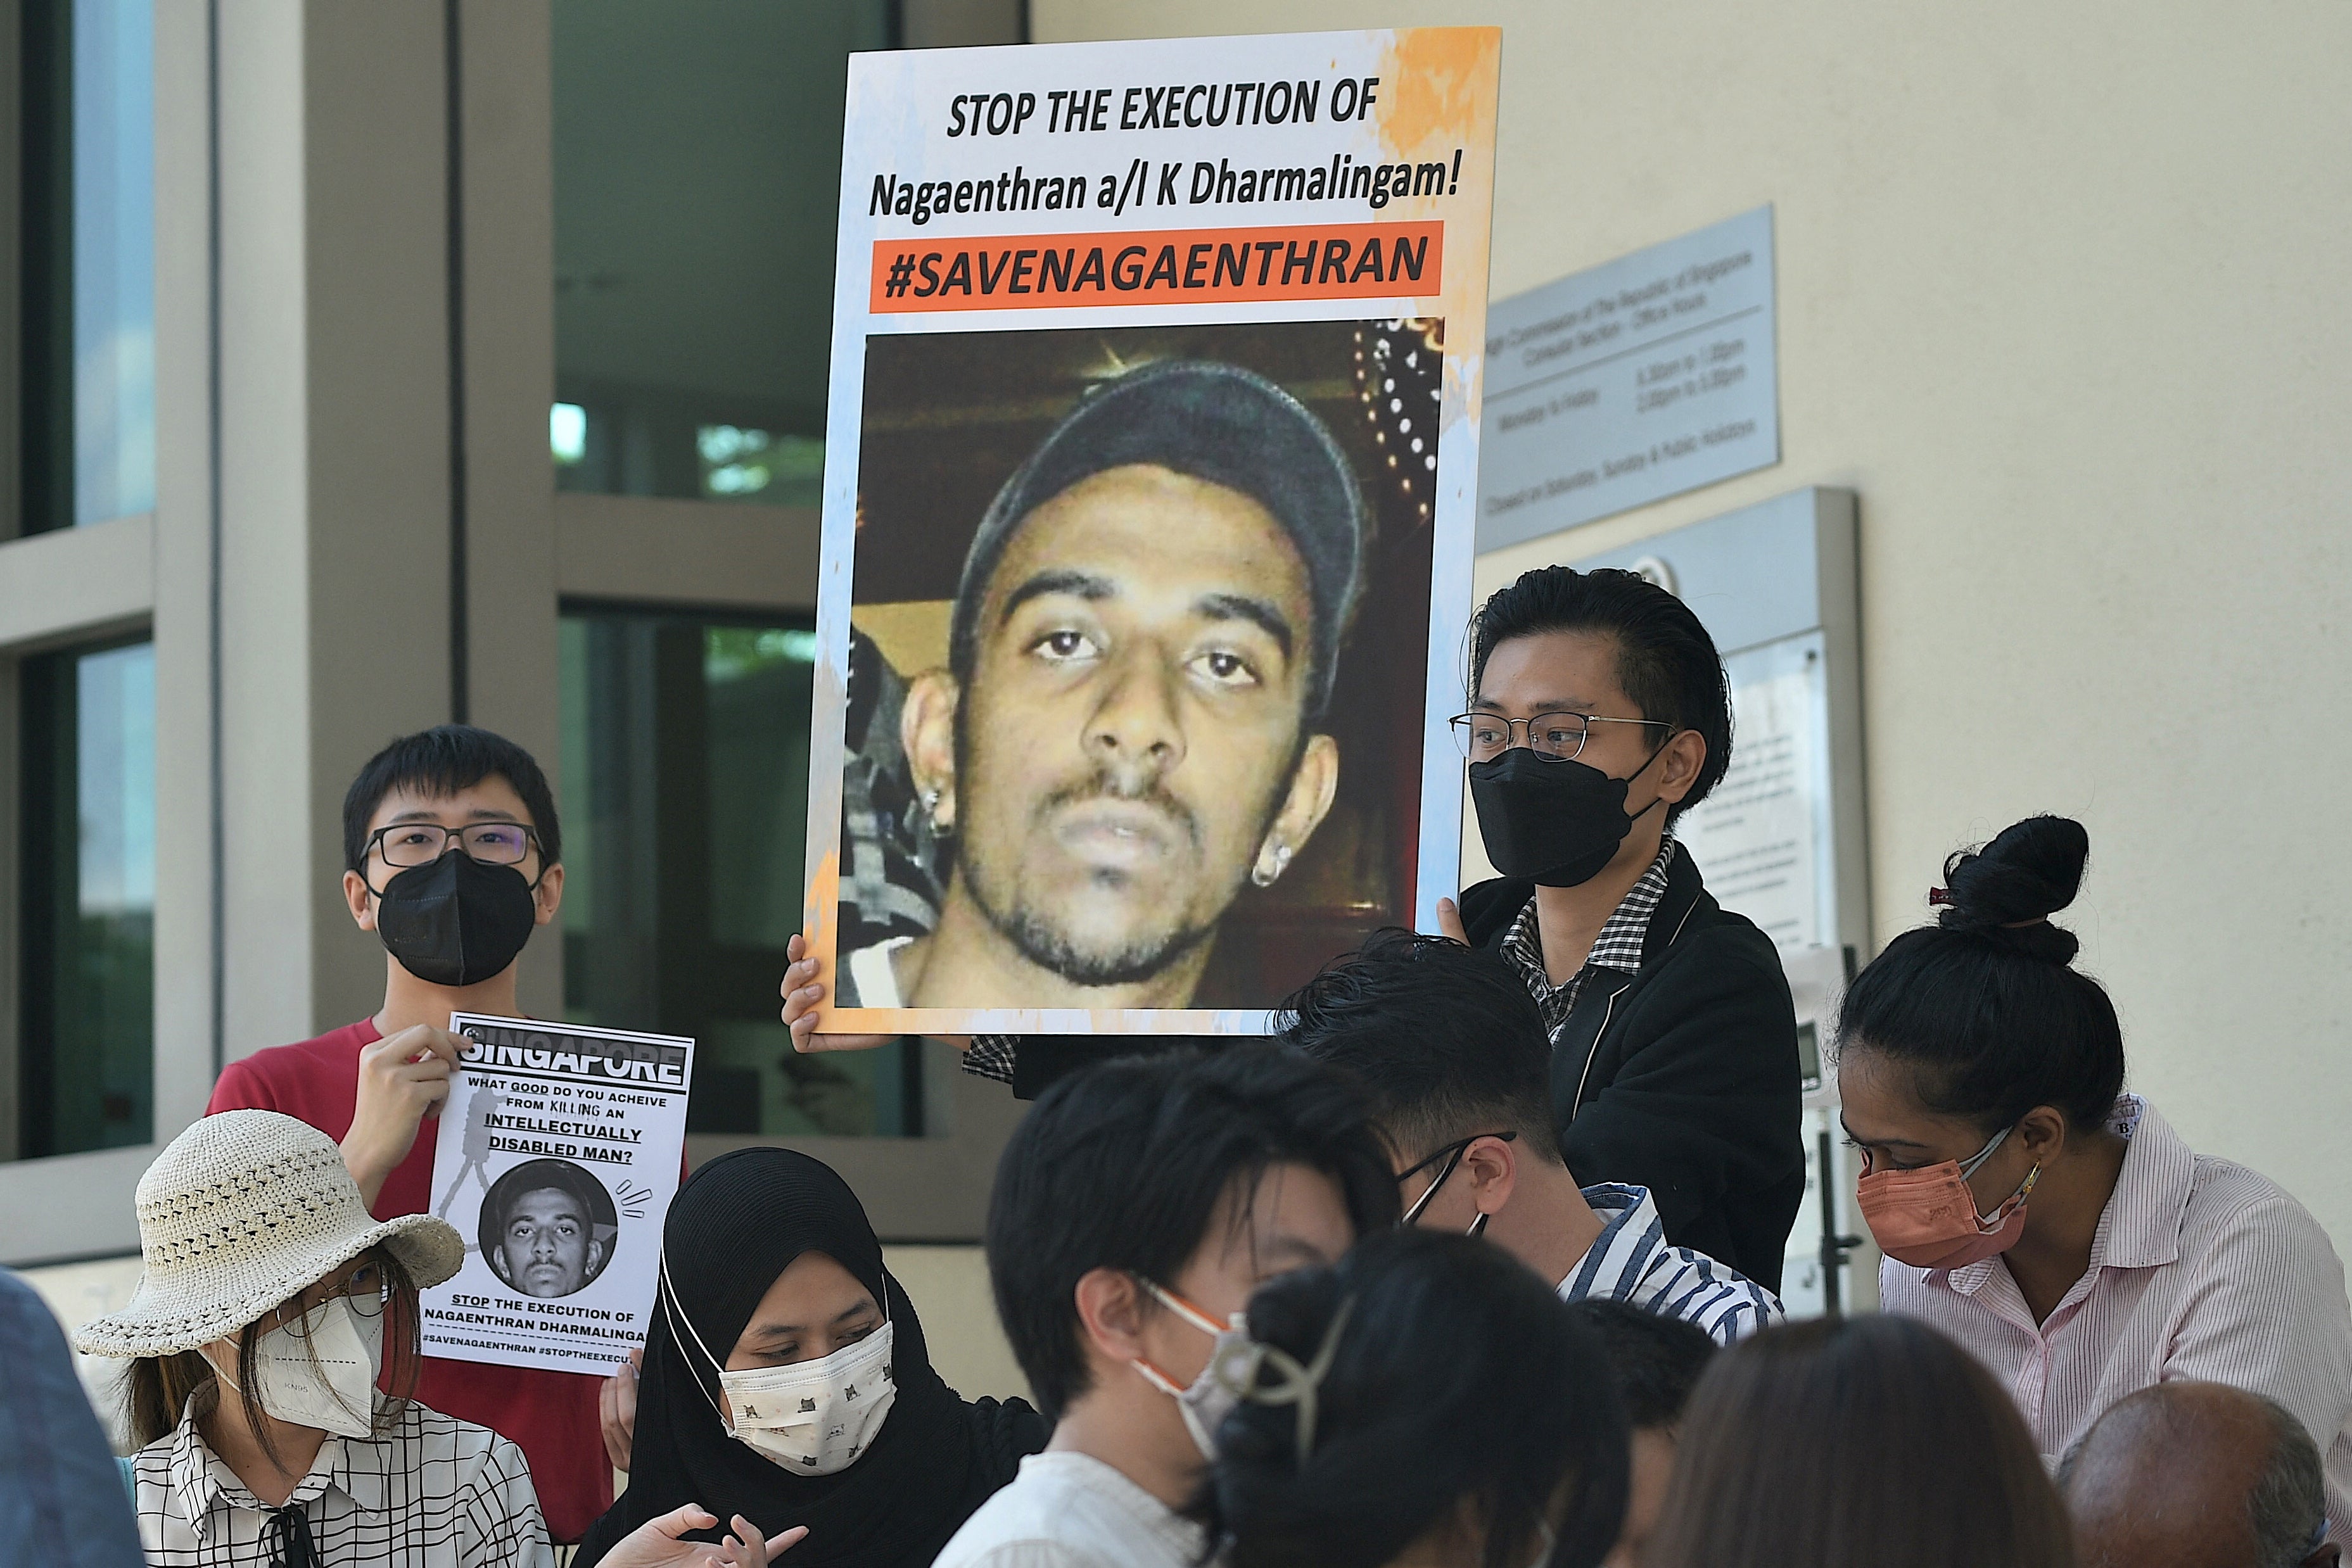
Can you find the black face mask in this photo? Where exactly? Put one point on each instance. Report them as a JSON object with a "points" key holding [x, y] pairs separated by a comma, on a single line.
{"points": [[1556, 823], [455, 922]]}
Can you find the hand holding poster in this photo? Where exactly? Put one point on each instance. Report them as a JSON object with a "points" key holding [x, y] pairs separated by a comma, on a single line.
{"points": [[1149, 465], [557, 1154]]}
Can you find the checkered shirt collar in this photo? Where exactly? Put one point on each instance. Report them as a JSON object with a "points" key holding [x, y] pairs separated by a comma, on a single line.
{"points": [[1619, 945], [200, 1477]]}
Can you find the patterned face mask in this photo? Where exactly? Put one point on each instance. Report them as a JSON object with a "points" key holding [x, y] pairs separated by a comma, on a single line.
{"points": [[811, 1418], [814, 1418]]}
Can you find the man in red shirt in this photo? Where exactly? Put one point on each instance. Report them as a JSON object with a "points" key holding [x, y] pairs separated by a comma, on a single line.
{"points": [[453, 852]]}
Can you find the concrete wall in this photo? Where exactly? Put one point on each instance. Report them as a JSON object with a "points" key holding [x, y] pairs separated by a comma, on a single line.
{"points": [[2063, 296]]}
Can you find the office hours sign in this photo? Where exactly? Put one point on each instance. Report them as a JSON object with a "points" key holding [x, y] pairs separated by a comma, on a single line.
{"points": [[558, 1152]]}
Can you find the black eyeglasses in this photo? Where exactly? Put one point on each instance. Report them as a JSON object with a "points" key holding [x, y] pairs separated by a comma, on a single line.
{"points": [[1553, 736], [1452, 1155], [406, 845]]}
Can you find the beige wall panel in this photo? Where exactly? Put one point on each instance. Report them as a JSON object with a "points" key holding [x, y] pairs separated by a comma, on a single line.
{"points": [[2061, 296], [658, 549], [376, 189], [77, 1293], [182, 568], [949, 1286], [510, 372], [272, 817], [71, 585]]}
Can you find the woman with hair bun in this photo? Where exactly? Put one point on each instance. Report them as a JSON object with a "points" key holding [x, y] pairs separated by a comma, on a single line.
{"points": [[2053, 1225], [1427, 1402]]}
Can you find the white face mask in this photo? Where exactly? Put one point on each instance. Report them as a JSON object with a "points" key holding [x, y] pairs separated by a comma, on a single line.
{"points": [[813, 1417], [1208, 1399], [320, 1370]]}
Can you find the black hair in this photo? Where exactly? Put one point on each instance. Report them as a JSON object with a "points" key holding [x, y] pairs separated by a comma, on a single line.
{"points": [[1460, 1392], [1665, 660], [1985, 1007], [1656, 1359], [1215, 422], [1444, 1039], [439, 762], [1122, 1166], [1849, 1443]]}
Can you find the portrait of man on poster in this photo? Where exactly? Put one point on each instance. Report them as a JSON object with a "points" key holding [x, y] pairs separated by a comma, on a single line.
{"points": [[1130, 725], [546, 1227]]}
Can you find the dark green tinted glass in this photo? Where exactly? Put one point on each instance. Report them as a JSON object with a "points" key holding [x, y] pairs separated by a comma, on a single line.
{"points": [[86, 1058], [685, 807], [86, 177], [697, 169]]}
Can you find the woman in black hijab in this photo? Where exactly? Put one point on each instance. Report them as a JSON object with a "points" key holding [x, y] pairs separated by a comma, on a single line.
{"points": [[774, 1306]]}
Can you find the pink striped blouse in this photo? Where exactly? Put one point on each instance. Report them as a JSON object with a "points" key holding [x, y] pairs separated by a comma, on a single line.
{"points": [[2201, 1269]]}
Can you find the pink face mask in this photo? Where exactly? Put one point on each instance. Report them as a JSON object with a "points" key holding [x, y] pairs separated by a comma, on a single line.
{"points": [[1928, 1218]]}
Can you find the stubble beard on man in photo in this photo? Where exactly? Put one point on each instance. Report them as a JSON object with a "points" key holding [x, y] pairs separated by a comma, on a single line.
{"points": [[1042, 924], [551, 1265]]}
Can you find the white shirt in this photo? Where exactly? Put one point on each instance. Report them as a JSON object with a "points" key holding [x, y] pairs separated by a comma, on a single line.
{"points": [[1072, 1510], [1631, 1260], [2200, 1269], [432, 1492]]}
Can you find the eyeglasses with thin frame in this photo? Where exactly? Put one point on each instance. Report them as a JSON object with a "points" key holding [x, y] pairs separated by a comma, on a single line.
{"points": [[1452, 1155], [362, 1281], [406, 845], [1553, 736]]}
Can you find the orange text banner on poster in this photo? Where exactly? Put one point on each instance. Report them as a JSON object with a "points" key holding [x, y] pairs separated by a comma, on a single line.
{"points": [[1219, 265]]}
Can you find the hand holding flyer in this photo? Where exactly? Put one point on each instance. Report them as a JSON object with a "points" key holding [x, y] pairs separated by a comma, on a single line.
{"points": [[559, 1151], [1151, 461]]}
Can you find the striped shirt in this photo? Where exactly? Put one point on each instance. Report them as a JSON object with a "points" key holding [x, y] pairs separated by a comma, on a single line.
{"points": [[1632, 1262], [432, 1492], [2200, 1269], [1618, 945]]}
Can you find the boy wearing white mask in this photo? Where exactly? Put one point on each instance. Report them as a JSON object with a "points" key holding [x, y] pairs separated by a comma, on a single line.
{"points": [[271, 1309], [1136, 1209]]}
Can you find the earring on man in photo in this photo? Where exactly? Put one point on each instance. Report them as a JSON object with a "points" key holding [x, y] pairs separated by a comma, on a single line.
{"points": [[939, 825], [1264, 876]]}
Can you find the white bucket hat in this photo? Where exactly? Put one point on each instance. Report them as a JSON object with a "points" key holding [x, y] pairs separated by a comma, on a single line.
{"points": [[242, 1211]]}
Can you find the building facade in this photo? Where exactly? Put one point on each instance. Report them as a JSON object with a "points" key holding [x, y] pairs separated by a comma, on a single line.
{"points": [[378, 366]]}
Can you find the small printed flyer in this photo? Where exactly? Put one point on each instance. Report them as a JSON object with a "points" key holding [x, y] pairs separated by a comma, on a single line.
{"points": [[1151, 457], [559, 1151]]}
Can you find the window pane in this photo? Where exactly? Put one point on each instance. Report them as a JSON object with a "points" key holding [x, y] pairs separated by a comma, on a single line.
{"points": [[89, 261], [697, 167], [86, 1063], [685, 784]]}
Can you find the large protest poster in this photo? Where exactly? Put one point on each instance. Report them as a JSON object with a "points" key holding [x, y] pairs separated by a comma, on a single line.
{"points": [[1150, 457], [558, 1153]]}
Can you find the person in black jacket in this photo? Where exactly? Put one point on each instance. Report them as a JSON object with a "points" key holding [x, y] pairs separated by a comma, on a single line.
{"points": [[1600, 712]]}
